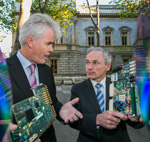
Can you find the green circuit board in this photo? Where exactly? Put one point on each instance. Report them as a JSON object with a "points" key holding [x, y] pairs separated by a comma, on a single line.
{"points": [[33, 115], [124, 95]]}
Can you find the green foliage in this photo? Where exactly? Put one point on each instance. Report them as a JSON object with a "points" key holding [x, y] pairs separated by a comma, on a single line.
{"points": [[7, 18], [60, 11], [130, 8]]}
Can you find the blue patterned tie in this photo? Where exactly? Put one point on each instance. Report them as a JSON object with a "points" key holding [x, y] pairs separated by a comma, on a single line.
{"points": [[100, 96]]}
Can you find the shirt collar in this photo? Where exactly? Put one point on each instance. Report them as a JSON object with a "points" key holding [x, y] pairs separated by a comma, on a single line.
{"points": [[103, 82], [24, 61]]}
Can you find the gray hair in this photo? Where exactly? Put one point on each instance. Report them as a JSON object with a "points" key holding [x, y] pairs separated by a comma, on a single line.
{"points": [[107, 55], [36, 25]]}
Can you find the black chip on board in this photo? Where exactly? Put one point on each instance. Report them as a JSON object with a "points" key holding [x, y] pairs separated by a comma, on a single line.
{"points": [[37, 104], [29, 114]]}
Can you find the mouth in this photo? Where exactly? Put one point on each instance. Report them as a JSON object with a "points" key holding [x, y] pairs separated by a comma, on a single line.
{"points": [[90, 73]]}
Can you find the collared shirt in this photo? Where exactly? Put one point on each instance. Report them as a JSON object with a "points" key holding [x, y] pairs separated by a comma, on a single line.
{"points": [[25, 64], [103, 88]]}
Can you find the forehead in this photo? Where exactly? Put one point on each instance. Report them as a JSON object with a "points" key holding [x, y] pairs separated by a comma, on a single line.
{"points": [[49, 33], [95, 55]]}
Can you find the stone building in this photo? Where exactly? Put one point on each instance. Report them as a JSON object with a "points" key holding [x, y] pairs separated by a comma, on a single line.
{"points": [[116, 35]]}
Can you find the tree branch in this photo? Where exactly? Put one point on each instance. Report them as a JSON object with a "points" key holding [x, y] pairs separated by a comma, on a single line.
{"points": [[91, 13]]}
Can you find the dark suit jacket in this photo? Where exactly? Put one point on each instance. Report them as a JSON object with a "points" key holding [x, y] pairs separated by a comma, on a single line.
{"points": [[89, 107], [21, 89]]}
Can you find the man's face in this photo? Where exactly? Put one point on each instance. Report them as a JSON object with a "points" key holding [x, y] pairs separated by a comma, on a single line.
{"points": [[42, 47], [95, 66]]}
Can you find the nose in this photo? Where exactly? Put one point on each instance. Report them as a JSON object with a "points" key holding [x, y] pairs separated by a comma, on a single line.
{"points": [[50, 49], [89, 66]]}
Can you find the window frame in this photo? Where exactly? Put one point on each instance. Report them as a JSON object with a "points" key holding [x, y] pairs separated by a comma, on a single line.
{"points": [[123, 30], [57, 63], [91, 30], [108, 30]]}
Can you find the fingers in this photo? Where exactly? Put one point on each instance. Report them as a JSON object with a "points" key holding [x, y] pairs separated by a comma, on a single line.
{"points": [[74, 101], [134, 119], [38, 140], [12, 126], [78, 114], [73, 119], [119, 115], [109, 119]]}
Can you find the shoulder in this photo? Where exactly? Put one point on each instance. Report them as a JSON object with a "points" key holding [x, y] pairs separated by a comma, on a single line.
{"points": [[12, 59], [82, 84], [44, 67]]}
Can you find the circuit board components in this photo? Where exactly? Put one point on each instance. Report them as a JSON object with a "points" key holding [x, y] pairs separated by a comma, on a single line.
{"points": [[124, 95], [33, 115]]}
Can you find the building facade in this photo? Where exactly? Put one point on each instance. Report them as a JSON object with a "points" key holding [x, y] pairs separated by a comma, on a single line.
{"points": [[116, 35]]}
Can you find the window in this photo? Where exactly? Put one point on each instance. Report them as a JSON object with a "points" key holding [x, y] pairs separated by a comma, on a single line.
{"points": [[126, 59], [124, 38], [91, 36], [124, 34], [62, 40], [108, 36], [54, 65]]}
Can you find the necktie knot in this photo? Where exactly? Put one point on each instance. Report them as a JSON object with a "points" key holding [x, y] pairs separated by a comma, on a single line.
{"points": [[32, 68], [98, 85]]}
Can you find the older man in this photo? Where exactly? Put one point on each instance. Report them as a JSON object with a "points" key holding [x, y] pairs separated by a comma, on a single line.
{"points": [[98, 123]]}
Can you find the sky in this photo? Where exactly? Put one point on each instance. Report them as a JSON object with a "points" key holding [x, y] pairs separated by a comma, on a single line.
{"points": [[92, 2]]}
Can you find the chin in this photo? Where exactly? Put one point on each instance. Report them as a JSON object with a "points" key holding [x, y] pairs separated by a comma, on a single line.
{"points": [[90, 77]]}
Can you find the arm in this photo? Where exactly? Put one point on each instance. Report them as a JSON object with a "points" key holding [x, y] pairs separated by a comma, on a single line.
{"points": [[88, 123], [65, 113], [91, 121]]}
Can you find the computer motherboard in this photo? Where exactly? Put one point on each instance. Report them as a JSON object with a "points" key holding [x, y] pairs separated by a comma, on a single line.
{"points": [[33, 115], [124, 95]]}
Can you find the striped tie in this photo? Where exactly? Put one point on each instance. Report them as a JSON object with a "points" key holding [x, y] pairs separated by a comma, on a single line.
{"points": [[100, 96], [32, 78]]}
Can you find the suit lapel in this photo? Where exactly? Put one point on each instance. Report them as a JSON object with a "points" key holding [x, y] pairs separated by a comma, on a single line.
{"points": [[107, 92], [91, 96], [19, 76]]}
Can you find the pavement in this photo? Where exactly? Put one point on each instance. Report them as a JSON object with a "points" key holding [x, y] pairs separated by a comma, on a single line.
{"points": [[66, 134]]}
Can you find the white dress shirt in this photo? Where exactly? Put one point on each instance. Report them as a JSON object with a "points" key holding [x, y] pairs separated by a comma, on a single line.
{"points": [[25, 64]]}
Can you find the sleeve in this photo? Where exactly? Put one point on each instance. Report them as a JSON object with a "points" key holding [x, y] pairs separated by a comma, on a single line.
{"points": [[52, 90], [135, 125], [87, 124]]}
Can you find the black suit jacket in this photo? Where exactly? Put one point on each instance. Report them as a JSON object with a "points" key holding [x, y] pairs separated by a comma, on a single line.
{"points": [[89, 107], [22, 90]]}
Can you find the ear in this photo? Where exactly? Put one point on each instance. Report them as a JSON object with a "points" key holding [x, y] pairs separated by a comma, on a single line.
{"points": [[30, 41], [108, 66]]}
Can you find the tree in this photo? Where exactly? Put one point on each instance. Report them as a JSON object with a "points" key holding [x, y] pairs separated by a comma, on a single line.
{"points": [[96, 25], [7, 19], [25, 8], [132, 8], [59, 11]]}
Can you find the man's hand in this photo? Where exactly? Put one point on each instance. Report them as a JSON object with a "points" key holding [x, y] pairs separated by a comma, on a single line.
{"points": [[11, 127], [131, 118], [68, 113], [110, 119]]}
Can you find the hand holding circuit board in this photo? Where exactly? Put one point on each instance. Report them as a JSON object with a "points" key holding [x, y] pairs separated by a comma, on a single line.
{"points": [[33, 115], [124, 95]]}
